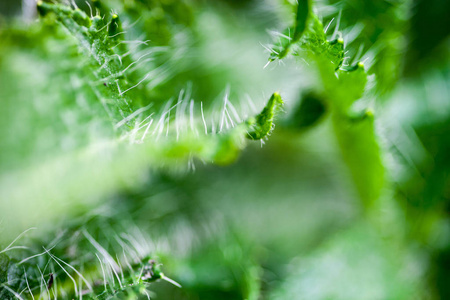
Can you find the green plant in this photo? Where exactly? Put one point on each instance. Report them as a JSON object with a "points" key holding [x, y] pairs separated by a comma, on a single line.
{"points": [[103, 128]]}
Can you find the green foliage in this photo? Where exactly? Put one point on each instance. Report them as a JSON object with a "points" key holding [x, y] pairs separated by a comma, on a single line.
{"points": [[261, 125], [4, 264], [342, 87], [121, 121], [343, 270], [109, 91], [308, 112]]}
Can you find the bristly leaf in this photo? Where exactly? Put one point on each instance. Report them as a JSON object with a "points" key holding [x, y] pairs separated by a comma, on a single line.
{"points": [[301, 23], [101, 45], [261, 125], [342, 87]]}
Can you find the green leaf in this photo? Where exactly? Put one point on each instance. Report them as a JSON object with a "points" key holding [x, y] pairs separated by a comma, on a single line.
{"points": [[308, 112], [342, 87], [261, 125]]}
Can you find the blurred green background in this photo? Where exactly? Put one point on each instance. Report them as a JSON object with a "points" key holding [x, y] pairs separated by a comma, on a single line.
{"points": [[284, 221]]}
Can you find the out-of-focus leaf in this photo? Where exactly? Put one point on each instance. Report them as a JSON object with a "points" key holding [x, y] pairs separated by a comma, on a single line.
{"points": [[308, 112]]}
